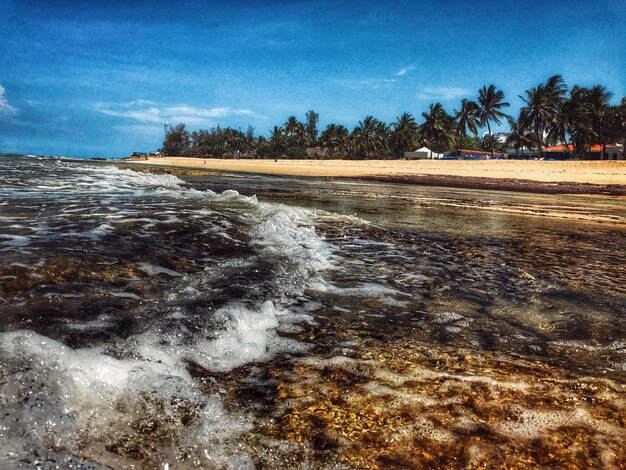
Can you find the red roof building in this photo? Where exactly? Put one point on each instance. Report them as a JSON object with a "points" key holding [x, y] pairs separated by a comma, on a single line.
{"points": [[611, 151], [465, 153], [570, 148]]}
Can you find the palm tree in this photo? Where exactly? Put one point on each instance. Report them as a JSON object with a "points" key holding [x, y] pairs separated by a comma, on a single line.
{"points": [[301, 137], [519, 137], [542, 109], [277, 139], [575, 119], [405, 135], [585, 115], [609, 127], [491, 101], [622, 112], [335, 137], [291, 124], [467, 119], [382, 130], [311, 125], [556, 89], [177, 140], [370, 137], [296, 133], [234, 141], [491, 143], [439, 128], [598, 98]]}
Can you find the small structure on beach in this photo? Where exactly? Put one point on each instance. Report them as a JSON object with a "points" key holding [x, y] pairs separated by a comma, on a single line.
{"points": [[476, 153], [423, 153], [611, 152], [318, 153]]}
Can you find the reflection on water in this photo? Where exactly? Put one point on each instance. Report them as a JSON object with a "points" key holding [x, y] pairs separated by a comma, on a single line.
{"points": [[148, 321]]}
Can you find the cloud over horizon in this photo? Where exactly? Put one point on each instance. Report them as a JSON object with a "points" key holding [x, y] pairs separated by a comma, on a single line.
{"points": [[148, 111], [404, 71], [5, 107], [443, 93]]}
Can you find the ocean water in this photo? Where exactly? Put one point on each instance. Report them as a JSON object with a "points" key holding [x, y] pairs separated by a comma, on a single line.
{"points": [[221, 321]]}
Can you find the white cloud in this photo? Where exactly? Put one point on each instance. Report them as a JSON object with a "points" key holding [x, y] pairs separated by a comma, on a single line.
{"points": [[442, 93], [146, 130], [404, 71], [377, 80], [139, 103], [5, 107], [368, 83], [147, 111], [145, 115]]}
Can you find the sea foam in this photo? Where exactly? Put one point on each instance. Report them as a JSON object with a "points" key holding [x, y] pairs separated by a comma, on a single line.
{"points": [[97, 394]]}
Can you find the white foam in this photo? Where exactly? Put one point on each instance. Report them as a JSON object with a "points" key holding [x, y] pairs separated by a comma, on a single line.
{"points": [[385, 295], [112, 176], [447, 317], [529, 424], [15, 241], [103, 321], [153, 270], [351, 220], [90, 383], [244, 338], [82, 392], [232, 195], [100, 231], [288, 232]]}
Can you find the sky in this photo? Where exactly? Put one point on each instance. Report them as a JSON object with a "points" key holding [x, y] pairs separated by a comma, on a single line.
{"points": [[82, 78]]}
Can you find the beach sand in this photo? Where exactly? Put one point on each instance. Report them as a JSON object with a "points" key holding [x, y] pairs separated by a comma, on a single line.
{"points": [[594, 177]]}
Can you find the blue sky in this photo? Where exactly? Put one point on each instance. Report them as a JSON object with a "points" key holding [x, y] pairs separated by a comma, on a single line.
{"points": [[84, 78]]}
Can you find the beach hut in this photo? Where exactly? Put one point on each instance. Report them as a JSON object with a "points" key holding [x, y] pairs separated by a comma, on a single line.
{"points": [[611, 152], [475, 153], [422, 154]]}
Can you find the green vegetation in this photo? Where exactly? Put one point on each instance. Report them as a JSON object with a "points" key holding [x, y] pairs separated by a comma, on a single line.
{"points": [[551, 114]]}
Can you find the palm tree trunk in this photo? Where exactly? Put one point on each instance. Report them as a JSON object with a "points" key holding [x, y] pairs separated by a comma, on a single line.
{"points": [[571, 136], [489, 130]]}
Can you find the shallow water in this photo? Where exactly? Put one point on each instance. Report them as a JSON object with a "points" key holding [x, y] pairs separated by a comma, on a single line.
{"points": [[153, 321]]}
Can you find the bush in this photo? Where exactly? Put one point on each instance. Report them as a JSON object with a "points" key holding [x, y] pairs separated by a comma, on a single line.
{"points": [[218, 151], [296, 153], [267, 151]]}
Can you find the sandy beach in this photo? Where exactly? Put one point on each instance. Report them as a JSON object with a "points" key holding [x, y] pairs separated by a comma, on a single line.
{"points": [[594, 177]]}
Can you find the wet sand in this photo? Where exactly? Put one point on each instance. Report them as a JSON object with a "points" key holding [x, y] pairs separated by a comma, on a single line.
{"points": [[550, 177]]}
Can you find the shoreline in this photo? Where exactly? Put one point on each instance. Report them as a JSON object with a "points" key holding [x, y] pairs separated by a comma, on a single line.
{"points": [[504, 184], [543, 177]]}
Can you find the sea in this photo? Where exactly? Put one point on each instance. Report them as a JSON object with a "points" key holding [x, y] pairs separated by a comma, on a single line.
{"points": [[228, 321]]}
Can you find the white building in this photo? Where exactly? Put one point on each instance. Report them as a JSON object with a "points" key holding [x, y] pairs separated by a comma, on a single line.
{"points": [[422, 154]]}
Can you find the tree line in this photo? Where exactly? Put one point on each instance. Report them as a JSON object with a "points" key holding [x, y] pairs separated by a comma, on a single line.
{"points": [[551, 113]]}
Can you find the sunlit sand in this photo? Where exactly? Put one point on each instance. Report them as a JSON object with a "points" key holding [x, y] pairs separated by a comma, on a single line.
{"points": [[593, 172]]}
